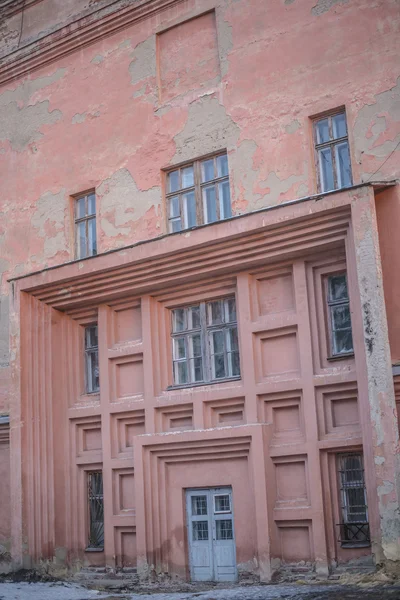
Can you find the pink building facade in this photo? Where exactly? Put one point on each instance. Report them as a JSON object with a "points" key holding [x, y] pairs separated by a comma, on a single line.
{"points": [[200, 334]]}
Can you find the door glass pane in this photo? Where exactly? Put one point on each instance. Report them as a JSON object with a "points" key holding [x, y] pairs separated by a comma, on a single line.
{"points": [[222, 165], [342, 158], [225, 200], [339, 126], [200, 531], [187, 177], [326, 169], [173, 181], [222, 503], [189, 210], [207, 170], [210, 204], [224, 529], [92, 237], [322, 127], [91, 204], [199, 505]]}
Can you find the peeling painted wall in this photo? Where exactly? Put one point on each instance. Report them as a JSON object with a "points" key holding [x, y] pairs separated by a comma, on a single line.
{"points": [[98, 118]]}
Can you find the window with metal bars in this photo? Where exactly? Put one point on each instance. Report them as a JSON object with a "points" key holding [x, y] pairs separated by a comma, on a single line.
{"points": [[96, 510], [85, 226], [340, 331], [205, 345], [332, 152], [198, 193], [92, 359], [354, 529]]}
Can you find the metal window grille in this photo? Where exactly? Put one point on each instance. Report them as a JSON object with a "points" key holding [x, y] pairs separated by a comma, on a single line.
{"points": [[92, 359], [85, 226], [205, 344], [198, 193], [339, 315], [96, 510], [332, 152], [354, 529], [224, 529], [200, 531]]}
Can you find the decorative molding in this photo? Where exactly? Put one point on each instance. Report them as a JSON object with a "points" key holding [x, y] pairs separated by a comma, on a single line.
{"points": [[78, 34]]}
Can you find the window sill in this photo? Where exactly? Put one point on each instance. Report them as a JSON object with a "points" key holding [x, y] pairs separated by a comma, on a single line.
{"points": [[351, 545], [94, 549], [340, 356], [185, 386]]}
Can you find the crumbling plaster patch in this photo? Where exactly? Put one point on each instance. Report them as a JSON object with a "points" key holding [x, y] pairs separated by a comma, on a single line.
{"points": [[323, 6], [22, 94], [373, 121], [121, 203], [21, 126], [143, 64], [98, 59], [293, 126], [225, 44], [49, 221]]}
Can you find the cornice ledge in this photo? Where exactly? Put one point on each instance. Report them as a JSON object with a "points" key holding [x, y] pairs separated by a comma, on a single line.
{"points": [[79, 34]]}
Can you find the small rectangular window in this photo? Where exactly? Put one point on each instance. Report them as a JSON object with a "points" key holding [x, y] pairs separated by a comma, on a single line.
{"points": [[92, 359], [332, 152], [205, 344], [354, 529], [198, 193], [339, 317], [96, 510], [85, 226]]}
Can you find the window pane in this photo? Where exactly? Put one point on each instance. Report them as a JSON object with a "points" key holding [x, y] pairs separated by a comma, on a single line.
{"points": [[196, 369], [187, 177], [215, 313], [80, 208], [338, 288], [343, 341], [81, 239], [95, 371], [341, 317], [92, 250], [342, 158], [233, 343], [91, 204], [179, 348], [217, 342], [224, 529], [339, 126], [207, 170], [222, 165], [199, 505], [234, 364], [200, 531], [179, 319], [91, 337], [326, 169], [218, 366], [230, 310], [181, 373], [222, 503], [194, 317], [189, 210], [224, 200], [322, 128], [210, 205], [173, 181], [174, 208], [175, 225], [194, 346]]}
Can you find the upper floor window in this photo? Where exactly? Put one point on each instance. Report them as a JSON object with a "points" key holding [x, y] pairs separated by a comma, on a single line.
{"points": [[332, 152], [85, 226], [198, 193], [92, 359], [205, 342], [354, 527], [341, 337]]}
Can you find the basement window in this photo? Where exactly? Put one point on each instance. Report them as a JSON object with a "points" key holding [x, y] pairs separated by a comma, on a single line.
{"points": [[92, 359], [332, 152], [96, 510], [198, 193], [339, 319], [205, 346], [354, 529], [85, 226]]}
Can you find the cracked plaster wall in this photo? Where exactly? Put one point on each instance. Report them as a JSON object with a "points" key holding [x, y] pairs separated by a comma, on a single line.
{"points": [[95, 119]]}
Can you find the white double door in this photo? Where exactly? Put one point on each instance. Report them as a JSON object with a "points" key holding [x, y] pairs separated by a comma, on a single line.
{"points": [[212, 550]]}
